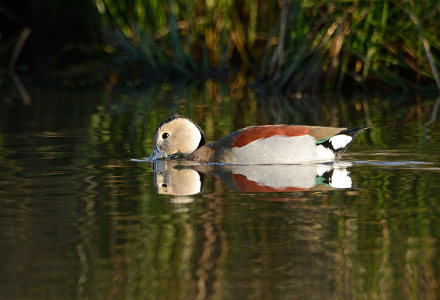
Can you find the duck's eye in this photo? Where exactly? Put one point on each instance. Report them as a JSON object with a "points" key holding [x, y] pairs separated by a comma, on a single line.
{"points": [[165, 135]]}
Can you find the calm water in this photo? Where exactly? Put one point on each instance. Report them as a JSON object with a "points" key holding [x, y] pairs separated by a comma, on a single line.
{"points": [[80, 220]]}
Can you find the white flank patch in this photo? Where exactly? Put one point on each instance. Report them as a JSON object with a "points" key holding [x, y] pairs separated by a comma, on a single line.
{"points": [[340, 179], [340, 141], [321, 169], [324, 154], [281, 150]]}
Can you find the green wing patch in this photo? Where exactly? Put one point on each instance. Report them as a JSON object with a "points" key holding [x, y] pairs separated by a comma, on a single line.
{"points": [[321, 141]]}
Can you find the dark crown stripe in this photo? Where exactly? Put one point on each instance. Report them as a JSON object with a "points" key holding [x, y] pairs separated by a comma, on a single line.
{"points": [[169, 119], [354, 132]]}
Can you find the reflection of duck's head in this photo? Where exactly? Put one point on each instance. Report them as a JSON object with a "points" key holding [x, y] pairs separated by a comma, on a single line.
{"points": [[171, 180], [269, 144]]}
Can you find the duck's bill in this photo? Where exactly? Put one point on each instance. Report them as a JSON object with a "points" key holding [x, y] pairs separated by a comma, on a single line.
{"points": [[157, 154]]}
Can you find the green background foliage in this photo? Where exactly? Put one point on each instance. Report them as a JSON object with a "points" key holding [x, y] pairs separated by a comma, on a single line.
{"points": [[286, 46]]}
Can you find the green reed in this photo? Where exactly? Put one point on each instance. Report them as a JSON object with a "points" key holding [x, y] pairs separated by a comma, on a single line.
{"points": [[287, 45], [284, 45]]}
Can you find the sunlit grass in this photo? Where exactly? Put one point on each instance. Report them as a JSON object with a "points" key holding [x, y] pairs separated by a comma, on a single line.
{"points": [[287, 45], [282, 46]]}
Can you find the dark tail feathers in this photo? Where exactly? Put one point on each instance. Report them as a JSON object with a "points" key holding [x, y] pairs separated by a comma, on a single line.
{"points": [[352, 132]]}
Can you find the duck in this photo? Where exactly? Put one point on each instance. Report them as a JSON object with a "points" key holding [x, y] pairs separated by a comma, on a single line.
{"points": [[179, 137]]}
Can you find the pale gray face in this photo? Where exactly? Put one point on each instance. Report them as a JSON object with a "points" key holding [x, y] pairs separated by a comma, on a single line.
{"points": [[179, 136]]}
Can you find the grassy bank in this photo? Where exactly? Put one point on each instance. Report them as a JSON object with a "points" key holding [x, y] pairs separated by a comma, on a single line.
{"points": [[283, 46]]}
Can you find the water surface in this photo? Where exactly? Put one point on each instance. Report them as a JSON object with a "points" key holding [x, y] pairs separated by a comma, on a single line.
{"points": [[80, 219]]}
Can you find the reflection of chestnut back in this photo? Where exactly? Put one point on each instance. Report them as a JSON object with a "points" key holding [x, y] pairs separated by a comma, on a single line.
{"points": [[285, 178]]}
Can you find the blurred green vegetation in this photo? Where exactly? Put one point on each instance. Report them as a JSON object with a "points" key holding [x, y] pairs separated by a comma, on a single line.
{"points": [[282, 46]]}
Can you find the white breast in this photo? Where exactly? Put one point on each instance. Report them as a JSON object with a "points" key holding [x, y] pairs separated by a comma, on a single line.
{"points": [[281, 150]]}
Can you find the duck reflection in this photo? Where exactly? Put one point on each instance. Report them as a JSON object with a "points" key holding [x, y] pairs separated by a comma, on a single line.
{"points": [[285, 178], [182, 178], [177, 179]]}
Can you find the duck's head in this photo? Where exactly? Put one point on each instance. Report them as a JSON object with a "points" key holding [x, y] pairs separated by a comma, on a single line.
{"points": [[176, 136]]}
